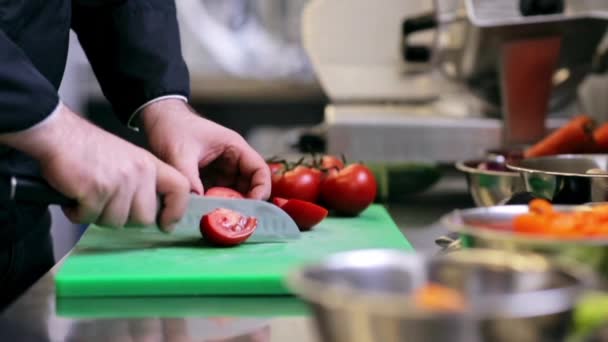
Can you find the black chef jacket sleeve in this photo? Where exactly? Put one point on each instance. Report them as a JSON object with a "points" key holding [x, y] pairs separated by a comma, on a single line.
{"points": [[134, 48], [26, 96]]}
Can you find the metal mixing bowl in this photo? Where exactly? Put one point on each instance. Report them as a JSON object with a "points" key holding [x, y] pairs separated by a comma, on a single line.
{"points": [[492, 228], [489, 187], [565, 179], [366, 295]]}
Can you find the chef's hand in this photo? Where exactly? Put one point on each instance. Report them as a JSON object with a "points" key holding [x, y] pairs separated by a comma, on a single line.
{"points": [[202, 149], [114, 182]]}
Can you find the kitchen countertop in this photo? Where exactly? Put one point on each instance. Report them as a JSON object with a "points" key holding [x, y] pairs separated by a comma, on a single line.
{"points": [[38, 315]]}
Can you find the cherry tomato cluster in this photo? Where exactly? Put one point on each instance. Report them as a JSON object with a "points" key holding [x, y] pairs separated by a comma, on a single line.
{"points": [[307, 191]]}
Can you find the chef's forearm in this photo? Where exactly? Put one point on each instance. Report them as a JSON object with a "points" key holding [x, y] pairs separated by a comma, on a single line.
{"points": [[44, 139]]}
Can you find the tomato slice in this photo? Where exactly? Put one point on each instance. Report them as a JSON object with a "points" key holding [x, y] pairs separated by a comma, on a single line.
{"points": [[220, 191], [305, 214], [279, 201], [225, 227]]}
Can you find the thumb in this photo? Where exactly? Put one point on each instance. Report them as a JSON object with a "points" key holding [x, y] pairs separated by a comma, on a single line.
{"points": [[174, 188], [189, 168]]}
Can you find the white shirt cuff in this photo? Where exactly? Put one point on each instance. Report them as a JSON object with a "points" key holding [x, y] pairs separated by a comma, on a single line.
{"points": [[52, 115], [132, 123]]}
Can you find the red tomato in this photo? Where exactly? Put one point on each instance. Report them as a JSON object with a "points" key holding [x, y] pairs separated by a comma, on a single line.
{"points": [[301, 183], [331, 162], [305, 214], [220, 191], [350, 190], [278, 201], [224, 227], [276, 167]]}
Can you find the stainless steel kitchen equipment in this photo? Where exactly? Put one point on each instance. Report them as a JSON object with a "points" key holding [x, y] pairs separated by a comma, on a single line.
{"points": [[367, 296], [490, 187], [565, 179], [491, 228], [490, 76]]}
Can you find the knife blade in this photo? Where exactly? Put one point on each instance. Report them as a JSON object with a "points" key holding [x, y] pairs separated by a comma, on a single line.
{"points": [[273, 223]]}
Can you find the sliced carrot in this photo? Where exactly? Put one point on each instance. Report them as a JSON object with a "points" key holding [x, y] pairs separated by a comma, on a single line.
{"points": [[437, 297], [542, 219], [575, 136], [564, 224], [540, 206], [599, 230], [528, 223], [600, 137]]}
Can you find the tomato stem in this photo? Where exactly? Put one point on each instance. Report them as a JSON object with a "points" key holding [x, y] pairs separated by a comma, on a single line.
{"points": [[325, 170], [286, 166], [315, 162], [300, 161], [343, 158]]}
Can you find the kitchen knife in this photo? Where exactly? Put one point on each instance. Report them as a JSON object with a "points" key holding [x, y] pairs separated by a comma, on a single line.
{"points": [[273, 223]]}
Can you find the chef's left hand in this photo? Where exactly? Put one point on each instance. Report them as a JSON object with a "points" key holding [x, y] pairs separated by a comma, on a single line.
{"points": [[202, 149]]}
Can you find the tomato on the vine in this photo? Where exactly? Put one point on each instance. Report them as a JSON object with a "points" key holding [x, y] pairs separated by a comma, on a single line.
{"points": [[275, 167], [300, 183], [349, 190], [331, 162]]}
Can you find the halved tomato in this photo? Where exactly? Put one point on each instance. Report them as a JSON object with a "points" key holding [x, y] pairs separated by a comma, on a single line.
{"points": [[279, 202], [224, 227], [220, 191], [305, 214]]}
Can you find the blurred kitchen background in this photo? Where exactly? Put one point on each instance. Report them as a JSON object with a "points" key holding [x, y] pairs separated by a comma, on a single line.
{"points": [[250, 71]]}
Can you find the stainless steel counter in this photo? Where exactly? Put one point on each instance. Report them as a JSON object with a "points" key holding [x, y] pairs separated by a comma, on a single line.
{"points": [[39, 316]]}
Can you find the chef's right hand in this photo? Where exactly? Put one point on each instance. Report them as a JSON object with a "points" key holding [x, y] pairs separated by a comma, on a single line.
{"points": [[114, 181]]}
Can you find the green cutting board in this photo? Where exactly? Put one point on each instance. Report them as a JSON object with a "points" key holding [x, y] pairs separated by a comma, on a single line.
{"points": [[146, 262]]}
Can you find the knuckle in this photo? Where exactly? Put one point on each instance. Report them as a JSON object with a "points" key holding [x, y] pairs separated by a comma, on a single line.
{"points": [[125, 172], [143, 165], [100, 187], [238, 138]]}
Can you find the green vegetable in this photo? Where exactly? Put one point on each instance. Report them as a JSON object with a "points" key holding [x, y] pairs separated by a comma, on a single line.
{"points": [[398, 180], [590, 314]]}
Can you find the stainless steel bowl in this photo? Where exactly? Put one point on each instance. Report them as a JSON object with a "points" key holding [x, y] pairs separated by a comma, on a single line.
{"points": [[488, 188], [366, 296], [492, 228], [565, 179]]}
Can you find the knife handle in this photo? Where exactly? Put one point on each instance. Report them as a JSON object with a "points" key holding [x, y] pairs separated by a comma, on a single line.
{"points": [[25, 189]]}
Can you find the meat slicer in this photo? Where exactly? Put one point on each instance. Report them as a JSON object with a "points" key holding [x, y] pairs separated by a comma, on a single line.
{"points": [[446, 80]]}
